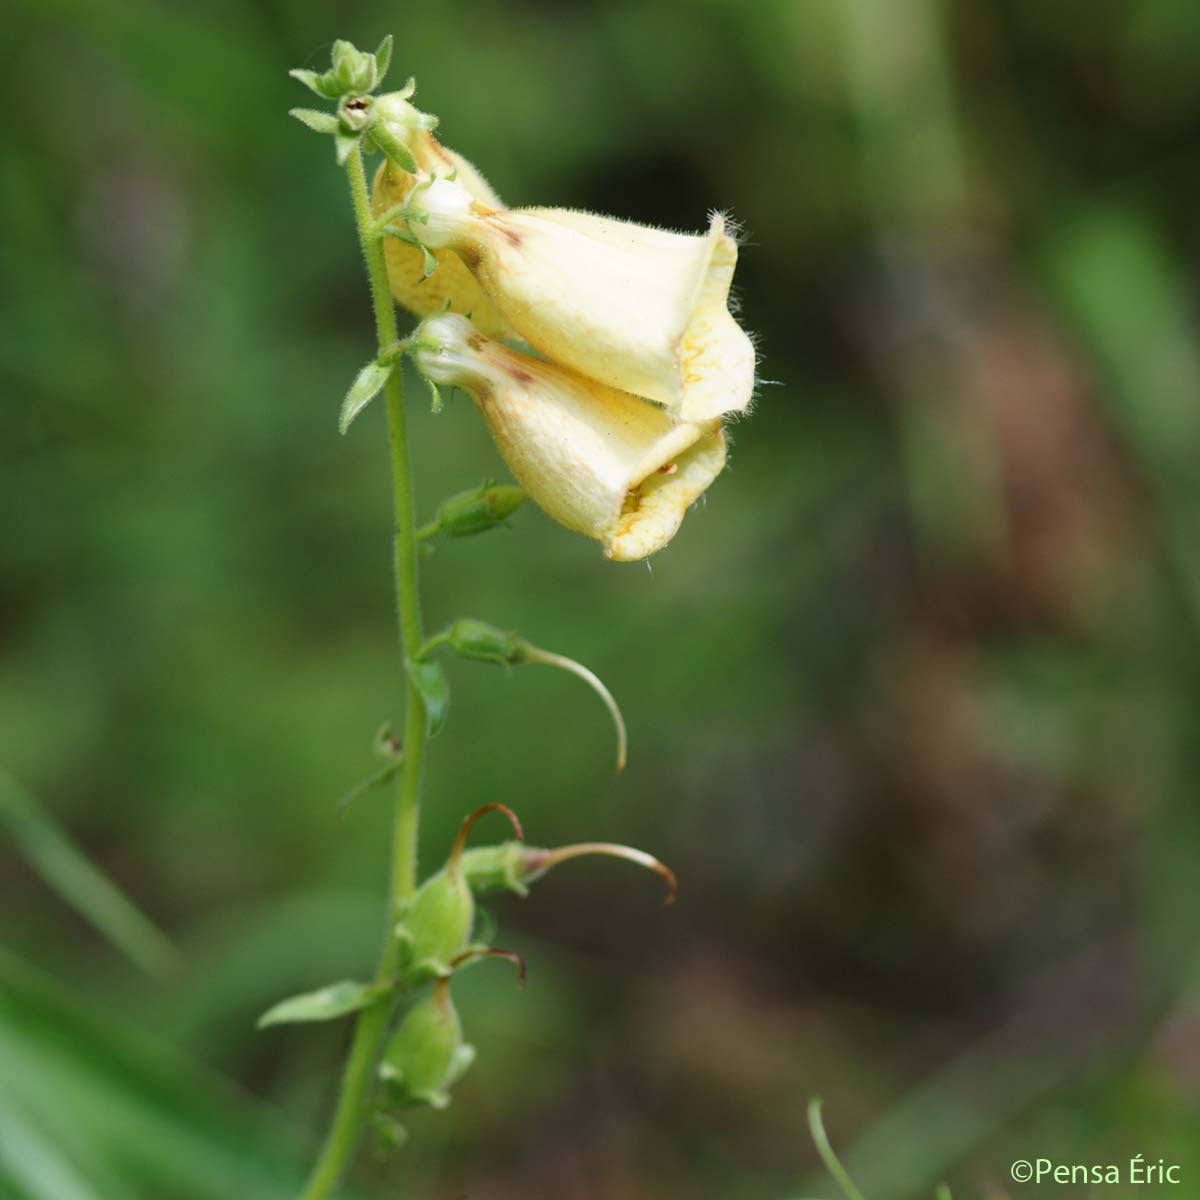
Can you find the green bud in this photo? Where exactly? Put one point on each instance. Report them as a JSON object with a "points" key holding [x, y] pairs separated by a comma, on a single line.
{"points": [[476, 511], [513, 865], [353, 70], [436, 928]]}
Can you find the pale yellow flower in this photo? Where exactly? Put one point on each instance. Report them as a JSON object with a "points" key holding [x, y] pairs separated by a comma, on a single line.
{"points": [[640, 309], [601, 462]]}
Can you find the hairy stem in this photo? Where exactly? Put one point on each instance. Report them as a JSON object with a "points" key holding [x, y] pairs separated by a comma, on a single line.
{"points": [[354, 1099]]}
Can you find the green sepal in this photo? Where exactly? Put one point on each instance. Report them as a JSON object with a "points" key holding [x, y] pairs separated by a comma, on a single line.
{"points": [[392, 146], [319, 84], [383, 59], [460, 1063], [315, 119], [430, 680], [345, 143], [325, 1004], [436, 403], [368, 383]]}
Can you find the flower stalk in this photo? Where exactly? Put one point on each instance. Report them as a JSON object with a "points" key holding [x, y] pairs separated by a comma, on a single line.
{"points": [[353, 1104]]}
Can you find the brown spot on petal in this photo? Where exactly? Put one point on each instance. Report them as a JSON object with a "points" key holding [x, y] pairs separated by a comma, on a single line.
{"points": [[518, 373], [510, 235], [668, 468]]}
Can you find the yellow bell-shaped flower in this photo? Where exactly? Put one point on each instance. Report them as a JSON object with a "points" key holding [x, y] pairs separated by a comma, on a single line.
{"points": [[640, 309], [406, 263], [601, 462]]}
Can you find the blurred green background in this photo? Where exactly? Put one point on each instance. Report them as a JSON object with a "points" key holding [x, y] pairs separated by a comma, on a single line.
{"points": [[914, 699]]}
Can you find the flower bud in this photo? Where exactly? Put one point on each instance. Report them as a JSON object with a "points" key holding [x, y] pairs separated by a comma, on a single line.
{"points": [[436, 927], [427, 1054], [476, 511], [642, 310], [599, 461], [513, 865], [353, 70], [406, 263]]}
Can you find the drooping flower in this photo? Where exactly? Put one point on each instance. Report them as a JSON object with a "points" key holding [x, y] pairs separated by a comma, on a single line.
{"points": [[640, 309], [601, 462], [406, 262]]}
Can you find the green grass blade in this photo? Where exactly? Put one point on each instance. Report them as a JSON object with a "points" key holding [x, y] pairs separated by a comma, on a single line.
{"points": [[78, 882], [107, 1101]]}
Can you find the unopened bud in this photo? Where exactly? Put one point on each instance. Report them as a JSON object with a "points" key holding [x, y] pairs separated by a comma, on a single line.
{"points": [[514, 866], [475, 511], [353, 70], [437, 926]]}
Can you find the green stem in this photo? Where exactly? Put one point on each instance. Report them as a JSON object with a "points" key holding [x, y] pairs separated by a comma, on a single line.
{"points": [[354, 1100]]}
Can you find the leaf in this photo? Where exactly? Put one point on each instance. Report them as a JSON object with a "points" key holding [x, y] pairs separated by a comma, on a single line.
{"points": [[431, 262], [368, 383], [315, 119], [80, 884], [325, 1004], [383, 57], [430, 680]]}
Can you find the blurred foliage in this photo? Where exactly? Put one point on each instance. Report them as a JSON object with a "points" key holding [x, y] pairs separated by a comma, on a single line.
{"points": [[914, 700]]}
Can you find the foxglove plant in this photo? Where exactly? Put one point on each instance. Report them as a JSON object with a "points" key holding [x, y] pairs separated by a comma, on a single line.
{"points": [[604, 358]]}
